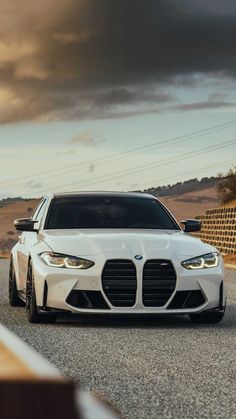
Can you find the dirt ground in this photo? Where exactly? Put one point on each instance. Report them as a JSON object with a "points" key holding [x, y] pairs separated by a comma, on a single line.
{"points": [[8, 213]]}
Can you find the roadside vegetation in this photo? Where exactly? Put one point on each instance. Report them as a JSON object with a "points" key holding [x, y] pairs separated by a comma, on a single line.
{"points": [[226, 188]]}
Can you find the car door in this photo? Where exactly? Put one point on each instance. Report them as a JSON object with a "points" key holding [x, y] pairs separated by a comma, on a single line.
{"points": [[26, 240]]}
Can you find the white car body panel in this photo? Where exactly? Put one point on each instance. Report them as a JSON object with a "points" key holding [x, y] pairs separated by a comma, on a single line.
{"points": [[100, 245]]}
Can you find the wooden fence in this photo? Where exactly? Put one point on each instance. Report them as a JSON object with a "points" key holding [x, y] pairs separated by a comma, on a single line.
{"points": [[219, 229]]}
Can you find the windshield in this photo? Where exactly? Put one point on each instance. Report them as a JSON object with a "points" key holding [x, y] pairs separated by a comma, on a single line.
{"points": [[108, 212]]}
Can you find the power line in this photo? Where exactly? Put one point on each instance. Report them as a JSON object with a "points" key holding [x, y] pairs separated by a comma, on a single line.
{"points": [[148, 166], [139, 149], [115, 156]]}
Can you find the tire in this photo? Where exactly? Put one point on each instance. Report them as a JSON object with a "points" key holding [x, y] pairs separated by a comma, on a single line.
{"points": [[14, 299], [212, 317], [32, 312]]}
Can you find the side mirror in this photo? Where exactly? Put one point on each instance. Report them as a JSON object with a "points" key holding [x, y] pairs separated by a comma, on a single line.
{"points": [[191, 225], [25, 224]]}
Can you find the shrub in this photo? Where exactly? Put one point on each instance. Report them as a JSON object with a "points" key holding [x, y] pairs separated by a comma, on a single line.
{"points": [[226, 188]]}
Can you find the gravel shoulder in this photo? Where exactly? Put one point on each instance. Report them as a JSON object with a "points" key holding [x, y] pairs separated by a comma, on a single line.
{"points": [[159, 368]]}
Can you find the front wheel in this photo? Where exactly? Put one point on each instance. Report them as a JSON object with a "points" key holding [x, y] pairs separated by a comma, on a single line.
{"points": [[208, 316], [31, 307]]}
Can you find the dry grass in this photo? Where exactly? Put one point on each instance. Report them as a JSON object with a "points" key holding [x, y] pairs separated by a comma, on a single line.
{"points": [[12, 211], [191, 204], [8, 213], [230, 259]]}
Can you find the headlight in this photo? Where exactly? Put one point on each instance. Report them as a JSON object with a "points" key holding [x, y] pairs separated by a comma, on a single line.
{"points": [[57, 260], [210, 260]]}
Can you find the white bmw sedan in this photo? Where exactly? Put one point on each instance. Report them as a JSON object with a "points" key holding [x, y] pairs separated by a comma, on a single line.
{"points": [[113, 253]]}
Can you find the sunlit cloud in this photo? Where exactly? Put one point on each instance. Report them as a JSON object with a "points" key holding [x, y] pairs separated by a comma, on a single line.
{"points": [[84, 138]]}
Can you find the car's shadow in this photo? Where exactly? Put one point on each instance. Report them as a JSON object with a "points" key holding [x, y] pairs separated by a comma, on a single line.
{"points": [[144, 322], [17, 317]]}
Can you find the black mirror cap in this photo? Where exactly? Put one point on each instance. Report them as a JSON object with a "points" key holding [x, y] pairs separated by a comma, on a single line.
{"points": [[25, 224], [191, 226]]}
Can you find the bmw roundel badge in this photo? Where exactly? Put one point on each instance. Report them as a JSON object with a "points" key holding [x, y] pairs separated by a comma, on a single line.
{"points": [[138, 257]]}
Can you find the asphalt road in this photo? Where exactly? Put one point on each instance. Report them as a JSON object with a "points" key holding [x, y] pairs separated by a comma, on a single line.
{"points": [[163, 368]]}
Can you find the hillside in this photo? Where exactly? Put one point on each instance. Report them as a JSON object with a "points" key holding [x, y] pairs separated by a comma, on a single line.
{"points": [[188, 186], [190, 204], [9, 211]]}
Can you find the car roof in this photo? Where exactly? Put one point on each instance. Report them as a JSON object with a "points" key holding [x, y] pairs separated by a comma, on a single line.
{"points": [[101, 193]]}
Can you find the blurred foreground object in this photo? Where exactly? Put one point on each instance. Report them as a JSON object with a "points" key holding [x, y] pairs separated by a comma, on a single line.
{"points": [[30, 387]]}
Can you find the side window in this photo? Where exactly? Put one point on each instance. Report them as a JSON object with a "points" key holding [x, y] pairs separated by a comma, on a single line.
{"points": [[38, 215]]}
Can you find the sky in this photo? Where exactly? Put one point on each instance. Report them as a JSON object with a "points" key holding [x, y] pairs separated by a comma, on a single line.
{"points": [[115, 94]]}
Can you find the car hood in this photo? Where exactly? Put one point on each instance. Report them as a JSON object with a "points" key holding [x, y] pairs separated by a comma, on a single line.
{"points": [[125, 243]]}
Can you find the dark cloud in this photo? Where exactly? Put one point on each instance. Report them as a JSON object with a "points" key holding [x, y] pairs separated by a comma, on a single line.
{"points": [[91, 168], [64, 58], [204, 105], [34, 185], [121, 96]]}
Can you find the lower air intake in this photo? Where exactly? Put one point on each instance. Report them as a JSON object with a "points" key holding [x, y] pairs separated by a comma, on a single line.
{"points": [[87, 299], [187, 299]]}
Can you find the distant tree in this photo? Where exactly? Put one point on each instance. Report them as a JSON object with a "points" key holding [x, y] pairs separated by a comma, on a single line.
{"points": [[226, 188]]}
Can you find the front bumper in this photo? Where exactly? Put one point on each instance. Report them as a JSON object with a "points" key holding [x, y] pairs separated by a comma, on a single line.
{"points": [[55, 286]]}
